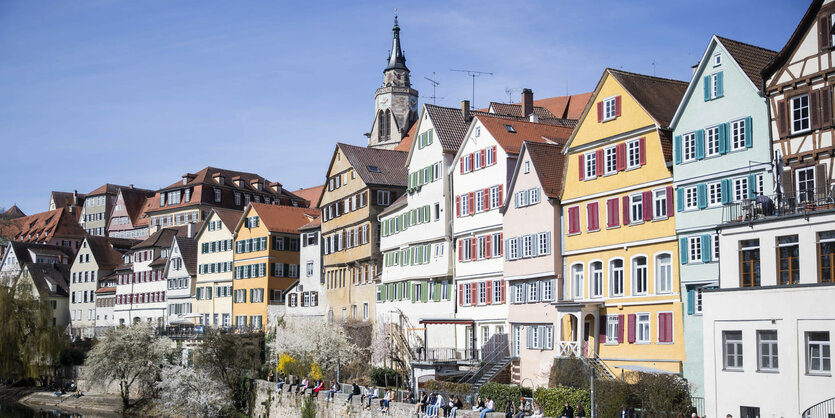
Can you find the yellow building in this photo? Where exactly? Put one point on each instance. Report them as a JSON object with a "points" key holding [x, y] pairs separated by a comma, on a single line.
{"points": [[361, 182], [621, 297], [266, 261]]}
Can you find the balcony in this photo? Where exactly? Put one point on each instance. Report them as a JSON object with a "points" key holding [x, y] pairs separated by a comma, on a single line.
{"points": [[767, 207], [444, 354]]}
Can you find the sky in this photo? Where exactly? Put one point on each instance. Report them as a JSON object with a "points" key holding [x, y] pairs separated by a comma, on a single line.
{"points": [[141, 92]]}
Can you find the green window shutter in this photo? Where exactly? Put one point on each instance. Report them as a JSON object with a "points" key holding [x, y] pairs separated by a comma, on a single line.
{"points": [[720, 82], [413, 291], [723, 138], [682, 250], [426, 213], [691, 301], [706, 248], [431, 134], [408, 290], [437, 292], [749, 140], [701, 195], [680, 199], [752, 186], [700, 144], [678, 149], [706, 81], [391, 291], [424, 293], [726, 191], [420, 178]]}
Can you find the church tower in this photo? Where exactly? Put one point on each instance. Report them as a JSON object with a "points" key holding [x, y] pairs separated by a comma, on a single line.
{"points": [[396, 102]]}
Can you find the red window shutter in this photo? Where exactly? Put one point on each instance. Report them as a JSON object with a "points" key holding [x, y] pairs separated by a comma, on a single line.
{"points": [[599, 112], [814, 109], [471, 201], [457, 206], [502, 290], [670, 204], [461, 164], [617, 106], [472, 248], [662, 329], [483, 157], [782, 118], [612, 215], [600, 163], [590, 217], [472, 161], [473, 293], [642, 150], [495, 155], [501, 194], [485, 201], [574, 220], [620, 156], [631, 320], [626, 210], [489, 289], [488, 250], [646, 200], [602, 328], [460, 250], [460, 293], [620, 329], [582, 166], [501, 244]]}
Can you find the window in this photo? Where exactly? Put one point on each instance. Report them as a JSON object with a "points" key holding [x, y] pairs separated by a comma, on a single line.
{"points": [[642, 328], [494, 197], [691, 198], [694, 249], [591, 165], [715, 247], [826, 251], [496, 242], [699, 291], [533, 292], [663, 273], [639, 275], [577, 280], [633, 154], [510, 128], [714, 194], [309, 268], [482, 293], [612, 323], [479, 201], [383, 197], [596, 273], [527, 246], [818, 356], [517, 340], [712, 141], [767, 350], [740, 189], [547, 290], [716, 85], [717, 60], [465, 204], [749, 260], [616, 277], [805, 184], [788, 268], [636, 208], [513, 249], [609, 108], [659, 203], [800, 113], [738, 135], [543, 243], [465, 249], [533, 196], [611, 160], [688, 145], [527, 168], [732, 346], [481, 247]]}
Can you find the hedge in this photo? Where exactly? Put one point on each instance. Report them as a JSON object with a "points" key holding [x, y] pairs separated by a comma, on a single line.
{"points": [[501, 393], [553, 400], [385, 377]]}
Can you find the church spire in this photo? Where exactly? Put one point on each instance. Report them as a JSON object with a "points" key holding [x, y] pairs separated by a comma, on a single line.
{"points": [[396, 58]]}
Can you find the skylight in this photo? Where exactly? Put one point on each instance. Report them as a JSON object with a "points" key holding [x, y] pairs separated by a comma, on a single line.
{"points": [[373, 169], [510, 129]]}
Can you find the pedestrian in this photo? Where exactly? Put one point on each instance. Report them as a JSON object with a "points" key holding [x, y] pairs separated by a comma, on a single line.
{"points": [[448, 406], [580, 412], [279, 382], [456, 406], [624, 413], [365, 394], [508, 409], [421, 404], [355, 390], [479, 405], [435, 407], [523, 409], [567, 411], [374, 395], [538, 412], [384, 404], [331, 395], [489, 406], [317, 388]]}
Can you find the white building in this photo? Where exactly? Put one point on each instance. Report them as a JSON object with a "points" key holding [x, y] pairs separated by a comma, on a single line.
{"points": [[17, 254], [304, 300], [180, 271], [768, 328]]}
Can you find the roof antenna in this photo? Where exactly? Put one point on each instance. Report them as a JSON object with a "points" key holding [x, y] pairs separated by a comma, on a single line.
{"points": [[509, 91], [473, 74], [435, 83], [653, 68]]}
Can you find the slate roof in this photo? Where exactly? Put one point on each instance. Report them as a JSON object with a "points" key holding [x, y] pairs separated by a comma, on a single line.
{"points": [[390, 164], [511, 142], [284, 219], [752, 59], [44, 227], [660, 97], [188, 250], [102, 249], [45, 274], [794, 40], [311, 194], [549, 163]]}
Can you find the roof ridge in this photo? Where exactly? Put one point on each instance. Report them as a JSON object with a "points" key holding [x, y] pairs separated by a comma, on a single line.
{"points": [[652, 77], [722, 38]]}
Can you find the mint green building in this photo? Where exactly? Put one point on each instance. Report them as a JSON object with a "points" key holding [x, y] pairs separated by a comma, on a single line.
{"points": [[721, 154]]}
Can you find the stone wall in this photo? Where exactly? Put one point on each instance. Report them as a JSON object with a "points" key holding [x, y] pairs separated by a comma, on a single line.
{"points": [[271, 404]]}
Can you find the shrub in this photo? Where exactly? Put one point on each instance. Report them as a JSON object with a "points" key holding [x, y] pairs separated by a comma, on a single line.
{"points": [[308, 408], [463, 390], [315, 371], [569, 371], [609, 395], [384, 376], [663, 394], [501, 393], [552, 400]]}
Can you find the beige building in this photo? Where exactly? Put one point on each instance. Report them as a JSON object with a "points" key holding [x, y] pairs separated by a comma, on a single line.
{"points": [[215, 255]]}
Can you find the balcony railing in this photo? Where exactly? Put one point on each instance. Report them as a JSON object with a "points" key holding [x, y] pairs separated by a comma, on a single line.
{"points": [[445, 354], [779, 205], [825, 409]]}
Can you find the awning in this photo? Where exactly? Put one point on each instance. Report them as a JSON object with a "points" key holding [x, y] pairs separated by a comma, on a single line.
{"points": [[644, 369]]}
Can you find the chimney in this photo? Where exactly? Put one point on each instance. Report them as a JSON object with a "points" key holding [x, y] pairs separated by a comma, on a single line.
{"points": [[533, 117], [465, 110], [694, 67], [75, 197], [527, 102], [190, 230], [130, 186]]}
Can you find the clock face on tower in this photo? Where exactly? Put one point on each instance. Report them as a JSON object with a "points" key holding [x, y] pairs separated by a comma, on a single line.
{"points": [[383, 102], [413, 103]]}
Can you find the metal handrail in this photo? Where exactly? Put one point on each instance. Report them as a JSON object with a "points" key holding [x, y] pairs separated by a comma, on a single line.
{"points": [[778, 205], [823, 409], [499, 349]]}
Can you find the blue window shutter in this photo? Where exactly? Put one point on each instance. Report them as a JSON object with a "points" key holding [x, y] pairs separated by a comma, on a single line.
{"points": [[706, 81], [700, 144], [723, 138], [680, 199], [752, 186], [726, 191], [678, 149], [691, 301], [682, 250], [706, 248], [701, 195], [749, 140], [720, 81]]}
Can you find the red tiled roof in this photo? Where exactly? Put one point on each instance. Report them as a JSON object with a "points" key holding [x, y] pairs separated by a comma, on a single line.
{"points": [[107, 188], [549, 163], [406, 142], [390, 165], [188, 251], [14, 212], [311, 194], [314, 224], [660, 97], [43, 227], [229, 217], [135, 202], [752, 59], [285, 219], [106, 290], [511, 142], [103, 252]]}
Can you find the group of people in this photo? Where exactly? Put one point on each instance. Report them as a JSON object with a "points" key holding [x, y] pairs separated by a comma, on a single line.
{"points": [[432, 404], [524, 408], [569, 412], [301, 386]]}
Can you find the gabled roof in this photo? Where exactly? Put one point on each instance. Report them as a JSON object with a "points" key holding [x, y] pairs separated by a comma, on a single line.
{"points": [[43, 227], [407, 139], [135, 202], [22, 249], [283, 219], [549, 163], [314, 224], [390, 165], [51, 280], [450, 126], [106, 188], [103, 252], [311, 194], [752, 59], [229, 217], [658, 96], [188, 251], [797, 36], [13, 212], [165, 236], [510, 134], [64, 199]]}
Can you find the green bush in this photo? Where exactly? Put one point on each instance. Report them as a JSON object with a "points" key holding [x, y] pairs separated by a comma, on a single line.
{"points": [[501, 393], [569, 371], [309, 408], [385, 377], [553, 400], [609, 395]]}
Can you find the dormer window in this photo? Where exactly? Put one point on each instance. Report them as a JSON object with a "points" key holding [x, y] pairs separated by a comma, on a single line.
{"points": [[188, 195]]}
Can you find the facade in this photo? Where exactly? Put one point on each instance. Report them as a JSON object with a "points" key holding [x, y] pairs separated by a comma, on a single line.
{"points": [[621, 297], [395, 102], [180, 273], [305, 299], [17, 254], [97, 258], [769, 326], [72, 201], [480, 173], [129, 219], [191, 199], [534, 274], [722, 154], [49, 282], [98, 205], [361, 182], [215, 244], [266, 261], [106, 301]]}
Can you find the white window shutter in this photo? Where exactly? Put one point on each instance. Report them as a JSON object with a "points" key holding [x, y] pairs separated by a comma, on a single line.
{"points": [[548, 243], [529, 336], [524, 292], [534, 245]]}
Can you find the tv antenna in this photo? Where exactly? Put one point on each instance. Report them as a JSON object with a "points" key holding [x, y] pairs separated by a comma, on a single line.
{"points": [[435, 83], [474, 74], [509, 91]]}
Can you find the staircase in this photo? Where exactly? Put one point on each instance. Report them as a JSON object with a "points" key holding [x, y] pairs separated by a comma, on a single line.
{"points": [[495, 358], [593, 360], [491, 372]]}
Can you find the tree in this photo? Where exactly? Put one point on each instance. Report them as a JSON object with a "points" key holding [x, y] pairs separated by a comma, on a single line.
{"points": [[380, 344], [321, 343], [191, 392], [129, 355], [232, 360]]}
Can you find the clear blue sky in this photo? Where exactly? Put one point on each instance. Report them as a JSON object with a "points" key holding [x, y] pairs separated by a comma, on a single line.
{"points": [[140, 92]]}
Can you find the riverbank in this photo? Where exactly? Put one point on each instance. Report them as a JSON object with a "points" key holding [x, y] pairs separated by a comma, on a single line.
{"points": [[93, 405]]}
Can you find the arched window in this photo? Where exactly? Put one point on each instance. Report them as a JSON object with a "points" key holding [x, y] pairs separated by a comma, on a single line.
{"points": [[596, 274], [577, 280], [385, 125], [616, 277], [639, 275], [663, 273]]}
